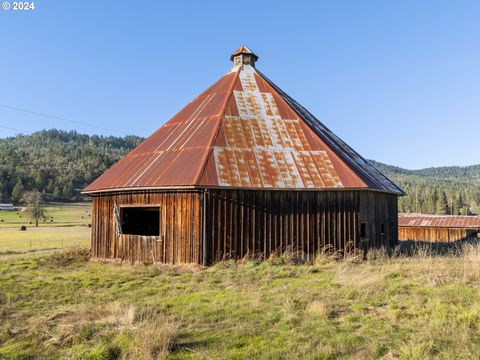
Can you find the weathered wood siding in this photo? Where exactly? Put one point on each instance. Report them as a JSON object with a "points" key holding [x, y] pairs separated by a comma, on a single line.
{"points": [[377, 209], [180, 228], [436, 234], [244, 222]]}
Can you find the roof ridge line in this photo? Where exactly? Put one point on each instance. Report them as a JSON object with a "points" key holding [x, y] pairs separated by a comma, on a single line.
{"points": [[211, 144], [333, 140]]}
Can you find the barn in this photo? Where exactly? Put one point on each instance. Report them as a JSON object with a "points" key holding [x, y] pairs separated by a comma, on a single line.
{"points": [[241, 170], [444, 229]]}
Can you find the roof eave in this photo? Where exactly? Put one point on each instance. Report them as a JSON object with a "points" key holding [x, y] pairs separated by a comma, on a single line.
{"points": [[202, 187]]}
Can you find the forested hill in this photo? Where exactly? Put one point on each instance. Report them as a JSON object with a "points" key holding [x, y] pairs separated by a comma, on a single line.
{"points": [[60, 164], [57, 163], [440, 190]]}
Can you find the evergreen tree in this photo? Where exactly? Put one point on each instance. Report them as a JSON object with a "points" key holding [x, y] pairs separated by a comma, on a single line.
{"points": [[442, 205], [40, 180], [17, 192], [57, 193], [435, 198], [429, 205], [51, 186], [459, 205], [68, 190]]}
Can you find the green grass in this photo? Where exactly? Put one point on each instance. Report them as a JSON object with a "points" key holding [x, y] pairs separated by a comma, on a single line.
{"points": [[63, 306], [66, 226], [41, 238], [57, 215]]}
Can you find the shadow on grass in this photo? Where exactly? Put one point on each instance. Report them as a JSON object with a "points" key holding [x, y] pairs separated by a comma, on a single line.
{"points": [[411, 248]]}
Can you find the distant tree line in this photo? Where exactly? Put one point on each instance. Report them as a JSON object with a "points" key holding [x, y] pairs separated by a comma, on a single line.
{"points": [[452, 190], [57, 163]]}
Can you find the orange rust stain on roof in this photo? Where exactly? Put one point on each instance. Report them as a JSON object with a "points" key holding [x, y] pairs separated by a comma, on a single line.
{"points": [[280, 155]]}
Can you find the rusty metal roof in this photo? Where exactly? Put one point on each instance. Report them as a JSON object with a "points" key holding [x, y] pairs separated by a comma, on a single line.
{"points": [[439, 221], [243, 132]]}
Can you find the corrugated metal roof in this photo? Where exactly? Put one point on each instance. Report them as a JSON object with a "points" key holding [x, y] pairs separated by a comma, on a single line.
{"points": [[174, 155], [243, 132], [439, 221]]}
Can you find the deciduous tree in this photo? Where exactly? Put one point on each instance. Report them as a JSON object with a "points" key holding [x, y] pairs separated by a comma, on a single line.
{"points": [[34, 209]]}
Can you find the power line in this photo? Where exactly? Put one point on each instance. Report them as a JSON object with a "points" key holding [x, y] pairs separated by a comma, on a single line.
{"points": [[57, 118], [10, 128]]}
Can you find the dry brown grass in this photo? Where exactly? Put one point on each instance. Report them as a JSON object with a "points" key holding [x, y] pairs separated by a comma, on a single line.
{"points": [[461, 266], [153, 340], [150, 334], [70, 256], [321, 309]]}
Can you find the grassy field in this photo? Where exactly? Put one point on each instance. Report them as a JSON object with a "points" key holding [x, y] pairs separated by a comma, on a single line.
{"points": [[65, 226], [61, 305], [57, 215]]}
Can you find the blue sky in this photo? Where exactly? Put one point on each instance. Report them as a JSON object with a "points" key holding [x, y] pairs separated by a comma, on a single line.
{"points": [[397, 80]]}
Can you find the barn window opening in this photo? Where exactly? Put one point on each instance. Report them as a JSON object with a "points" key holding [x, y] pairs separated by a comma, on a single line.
{"points": [[382, 229], [141, 221], [363, 230]]}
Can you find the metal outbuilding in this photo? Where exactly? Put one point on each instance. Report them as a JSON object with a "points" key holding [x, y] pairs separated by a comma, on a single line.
{"points": [[438, 228], [243, 169]]}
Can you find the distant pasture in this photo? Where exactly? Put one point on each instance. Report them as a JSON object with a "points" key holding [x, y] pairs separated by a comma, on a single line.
{"points": [[66, 226]]}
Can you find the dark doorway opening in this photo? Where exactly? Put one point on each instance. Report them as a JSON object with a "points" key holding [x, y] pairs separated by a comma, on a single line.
{"points": [[363, 230], [141, 221]]}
